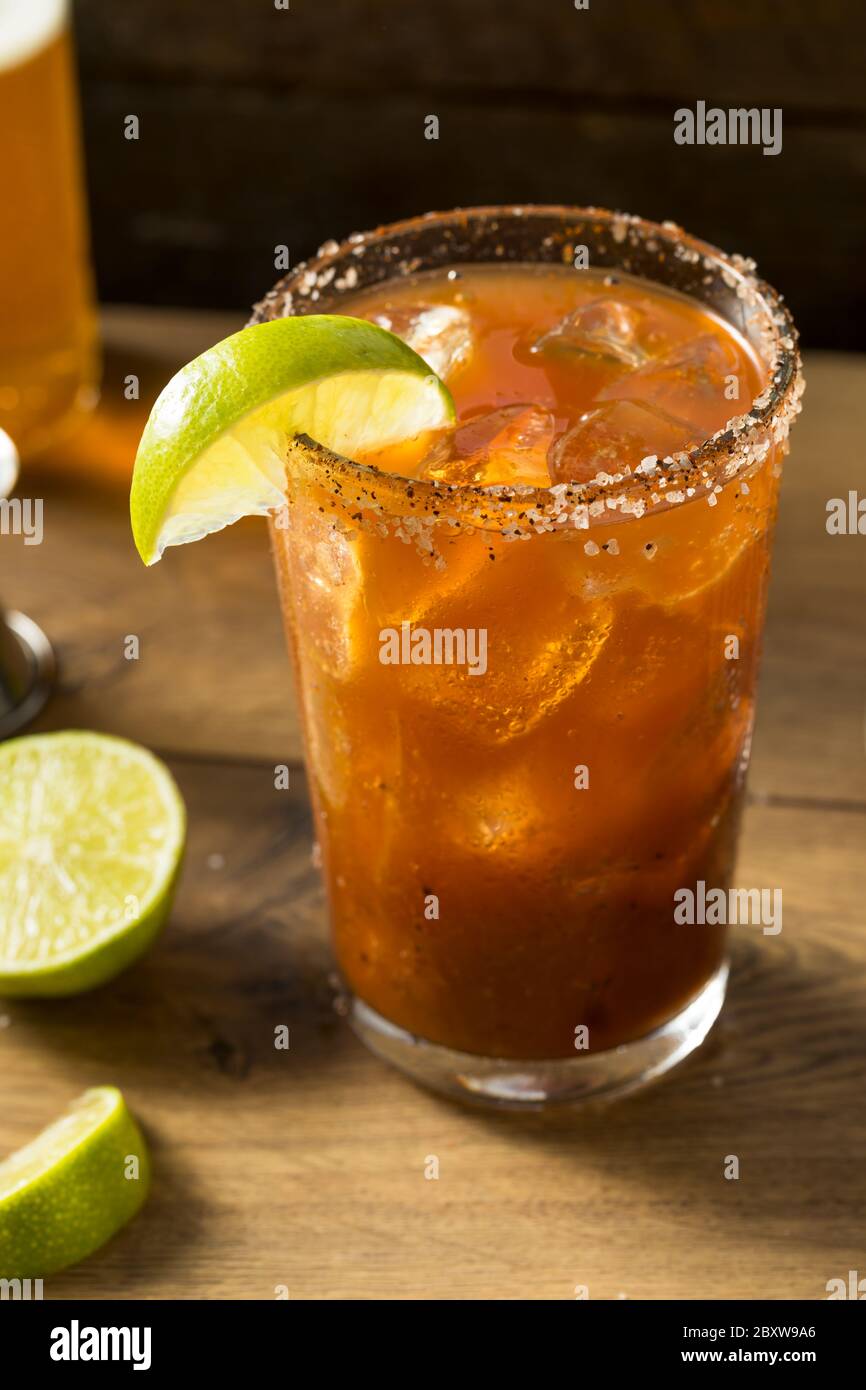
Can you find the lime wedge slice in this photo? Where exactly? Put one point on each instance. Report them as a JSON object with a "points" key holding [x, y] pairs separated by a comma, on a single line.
{"points": [[214, 448], [67, 1191], [91, 836]]}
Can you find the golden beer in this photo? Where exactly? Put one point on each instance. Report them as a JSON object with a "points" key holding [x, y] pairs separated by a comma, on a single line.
{"points": [[48, 356]]}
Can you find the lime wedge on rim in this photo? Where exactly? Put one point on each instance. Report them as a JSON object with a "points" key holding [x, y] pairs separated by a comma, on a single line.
{"points": [[67, 1191], [214, 447], [91, 836]]}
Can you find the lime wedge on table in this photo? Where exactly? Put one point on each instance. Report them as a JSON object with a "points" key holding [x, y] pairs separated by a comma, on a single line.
{"points": [[91, 835], [214, 447], [72, 1187]]}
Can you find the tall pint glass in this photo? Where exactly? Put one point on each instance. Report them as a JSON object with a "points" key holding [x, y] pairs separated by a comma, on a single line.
{"points": [[505, 847]]}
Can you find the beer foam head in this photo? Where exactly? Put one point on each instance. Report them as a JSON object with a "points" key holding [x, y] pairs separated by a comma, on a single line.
{"points": [[8, 464], [26, 26]]}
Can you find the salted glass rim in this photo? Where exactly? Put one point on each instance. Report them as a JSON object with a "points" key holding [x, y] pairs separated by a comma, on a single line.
{"points": [[741, 443]]}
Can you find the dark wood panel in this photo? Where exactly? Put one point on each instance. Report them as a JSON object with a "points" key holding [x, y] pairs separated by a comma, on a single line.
{"points": [[191, 212], [765, 52], [262, 126]]}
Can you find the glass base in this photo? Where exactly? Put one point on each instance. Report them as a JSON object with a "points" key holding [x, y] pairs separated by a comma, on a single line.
{"points": [[515, 1085]]}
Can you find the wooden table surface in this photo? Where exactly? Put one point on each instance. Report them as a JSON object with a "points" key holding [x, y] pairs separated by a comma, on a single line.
{"points": [[306, 1168]]}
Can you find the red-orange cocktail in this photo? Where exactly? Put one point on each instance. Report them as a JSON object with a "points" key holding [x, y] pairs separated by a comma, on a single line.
{"points": [[526, 648]]}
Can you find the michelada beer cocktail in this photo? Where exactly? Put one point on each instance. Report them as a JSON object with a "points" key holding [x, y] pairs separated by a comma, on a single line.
{"points": [[528, 722], [523, 570]]}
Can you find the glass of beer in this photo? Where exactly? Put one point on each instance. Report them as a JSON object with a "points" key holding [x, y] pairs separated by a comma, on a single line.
{"points": [[527, 658], [48, 347]]}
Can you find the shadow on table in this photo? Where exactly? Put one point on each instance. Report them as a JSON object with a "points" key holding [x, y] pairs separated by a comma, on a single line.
{"points": [[241, 968], [778, 1085]]}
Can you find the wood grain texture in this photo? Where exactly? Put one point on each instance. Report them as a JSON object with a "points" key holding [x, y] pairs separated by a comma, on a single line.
{"points": [[306, 1167]]}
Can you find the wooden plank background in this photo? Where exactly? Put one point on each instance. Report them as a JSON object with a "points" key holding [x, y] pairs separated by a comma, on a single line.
{"points": [[306, 1168], [262, 127]]}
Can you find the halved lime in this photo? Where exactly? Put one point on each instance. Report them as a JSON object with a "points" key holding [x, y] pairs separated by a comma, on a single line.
{"points": [[67, 1191], [214, 448], [91, 835]]}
